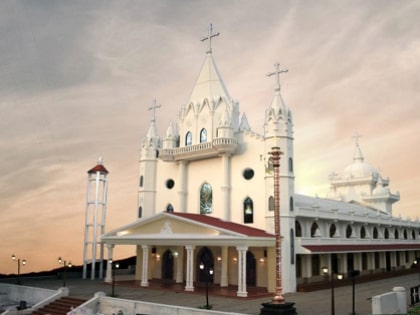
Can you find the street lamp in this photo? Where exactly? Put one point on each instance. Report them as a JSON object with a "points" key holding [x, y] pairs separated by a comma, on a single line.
{"points": [[209, 271], [65, 266], [18, 265], [339, 277], [113, 267], [354, 274]]}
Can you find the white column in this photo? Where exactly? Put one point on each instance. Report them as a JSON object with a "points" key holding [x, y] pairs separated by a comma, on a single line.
{"points": [[189, 286], [108, 277], [145, 267], [183, 178], [242, 271], [226, 187], [224, 271], [180, 265]]}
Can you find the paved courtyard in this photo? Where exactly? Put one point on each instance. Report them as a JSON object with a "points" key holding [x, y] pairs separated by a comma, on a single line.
{"points": [[308, 303]]}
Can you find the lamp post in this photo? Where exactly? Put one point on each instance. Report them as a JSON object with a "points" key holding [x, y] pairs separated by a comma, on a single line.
{"points": [[14, 258], [113, 267], [354, 274], [65, 266], [339, 277], [209, 271]]}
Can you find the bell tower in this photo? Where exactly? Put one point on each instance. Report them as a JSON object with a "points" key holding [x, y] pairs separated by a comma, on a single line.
{"points": [[96, 199], [278, 133]]}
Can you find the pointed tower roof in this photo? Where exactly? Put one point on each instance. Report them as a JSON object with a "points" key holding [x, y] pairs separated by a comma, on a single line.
{"points": [[277, 103], [209, 83], [99, 167], [152, 132]]}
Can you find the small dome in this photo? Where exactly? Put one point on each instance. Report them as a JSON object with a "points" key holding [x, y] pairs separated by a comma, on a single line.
{"points": [[380, 189], [359, 169]]}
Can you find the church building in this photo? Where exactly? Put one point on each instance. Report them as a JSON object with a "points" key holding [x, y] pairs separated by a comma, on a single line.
{"points": [[206, 202]]}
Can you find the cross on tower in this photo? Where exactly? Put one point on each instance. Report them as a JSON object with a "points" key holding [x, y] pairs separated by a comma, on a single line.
{"points": [[277, 73], [209, 37], [356, 137], [153, 108]]}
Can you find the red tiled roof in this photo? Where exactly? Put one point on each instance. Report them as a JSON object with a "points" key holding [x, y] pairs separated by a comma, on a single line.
{"points": [[359, 248], [230, 226], [98, 168]]}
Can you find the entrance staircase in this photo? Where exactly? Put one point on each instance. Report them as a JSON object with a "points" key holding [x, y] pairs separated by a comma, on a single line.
{"points": [[59, 307]]}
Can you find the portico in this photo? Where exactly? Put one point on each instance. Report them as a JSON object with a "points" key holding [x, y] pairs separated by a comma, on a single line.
{"points": [[171, 246]]}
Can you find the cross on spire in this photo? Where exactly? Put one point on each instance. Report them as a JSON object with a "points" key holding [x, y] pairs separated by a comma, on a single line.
{"points": [[153, 108], [209, 37], [356, 137], [277, 73]]}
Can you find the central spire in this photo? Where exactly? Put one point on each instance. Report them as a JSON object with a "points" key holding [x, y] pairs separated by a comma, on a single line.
{"points": [[209, 84]]}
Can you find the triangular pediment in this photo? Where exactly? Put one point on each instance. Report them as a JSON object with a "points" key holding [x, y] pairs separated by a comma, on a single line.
{"points": [[177, 229]]}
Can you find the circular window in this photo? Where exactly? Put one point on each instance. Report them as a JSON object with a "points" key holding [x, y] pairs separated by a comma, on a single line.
{"points": [[248, 173], [170, 183]]}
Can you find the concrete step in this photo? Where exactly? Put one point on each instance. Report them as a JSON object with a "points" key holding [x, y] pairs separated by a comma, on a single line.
{"points": [[59, 307]]}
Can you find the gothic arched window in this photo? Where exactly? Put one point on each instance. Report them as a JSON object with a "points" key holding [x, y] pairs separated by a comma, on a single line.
{"points": [[333, 229], [291, 204], [203, 135], [188, 138], [290, 164], [169, 208], [375, 232], [363, 232], [349, 231], [298, 229], [206, 199], [271, 203], [248, 211], [141, 181]]}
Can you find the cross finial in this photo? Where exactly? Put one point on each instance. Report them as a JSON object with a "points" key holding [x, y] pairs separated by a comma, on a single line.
{"points": [[153, 108], [277, 73], [356, 137], [209, 37]]}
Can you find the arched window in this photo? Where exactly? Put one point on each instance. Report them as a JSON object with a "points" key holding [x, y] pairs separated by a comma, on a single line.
{"points": [[248, 211], [140, 211], [188, 138], [386, 234], [291, 204], [363, 232], [413, 235], [375, 232], [396, 234], [141, 181], [290, 164], [203, 135], [349, 231], [333, 229], [292, 247], [271, 203], [405, 234], [206, 199], [298, 229], [169, 208], [315, 230]]}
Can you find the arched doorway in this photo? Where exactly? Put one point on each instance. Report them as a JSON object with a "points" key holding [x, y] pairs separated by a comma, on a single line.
{"points": [[251, 269], [205, 257], [167, 265]]}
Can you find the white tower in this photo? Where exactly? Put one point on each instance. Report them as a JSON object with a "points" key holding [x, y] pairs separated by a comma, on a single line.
{"points": [[96, 196], [278, 132]]}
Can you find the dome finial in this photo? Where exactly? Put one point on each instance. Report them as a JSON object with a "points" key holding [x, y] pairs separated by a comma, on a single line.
{"points": [[358, 153]]}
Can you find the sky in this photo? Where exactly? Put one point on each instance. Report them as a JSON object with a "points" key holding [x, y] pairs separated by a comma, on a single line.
{"points": [[77, 79]]}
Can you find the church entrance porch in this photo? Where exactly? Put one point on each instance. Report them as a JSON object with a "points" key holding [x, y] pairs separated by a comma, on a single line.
{"points": [[214, 289]]}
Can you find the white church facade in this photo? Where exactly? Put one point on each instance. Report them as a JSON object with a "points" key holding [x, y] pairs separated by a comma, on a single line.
{"points": [[206, 199]]}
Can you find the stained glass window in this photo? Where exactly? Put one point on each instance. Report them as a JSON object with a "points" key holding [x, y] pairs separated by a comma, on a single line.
{"points": [[206, 199]]}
